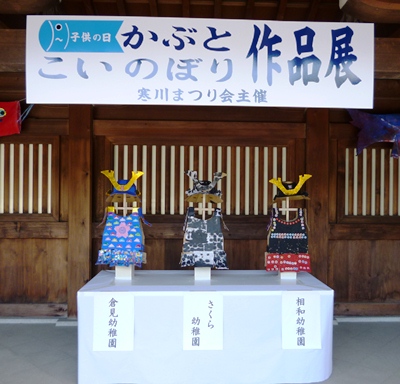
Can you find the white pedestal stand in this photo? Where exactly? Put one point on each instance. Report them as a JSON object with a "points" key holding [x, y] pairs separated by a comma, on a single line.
{"points": [[288, 275], [286, 209], [124, 273], [202, 273]]}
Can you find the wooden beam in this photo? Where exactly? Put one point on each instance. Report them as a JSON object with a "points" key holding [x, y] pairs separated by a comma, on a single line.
{"points": [[213, 133], [250, 9], [46, 229], [218, 9], [33, 126], [369, 230], [317, 164], [34, 310], [121, 8], [12, 41], [313, 10], [195, 113], [367, 309], [387, 58], [89, 8], [153, 8], [374, 11], [79, 202], [280, 15], [25, 7], [185, 8]]}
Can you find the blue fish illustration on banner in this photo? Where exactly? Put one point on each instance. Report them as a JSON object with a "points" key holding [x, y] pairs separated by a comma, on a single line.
{"points": [[80, 36]]}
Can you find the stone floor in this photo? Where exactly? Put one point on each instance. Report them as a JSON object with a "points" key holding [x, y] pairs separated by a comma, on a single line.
{"points": [[365, 351]]}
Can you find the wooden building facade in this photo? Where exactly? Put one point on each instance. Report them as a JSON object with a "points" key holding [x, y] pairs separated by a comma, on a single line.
{"points": [[52, 194]]}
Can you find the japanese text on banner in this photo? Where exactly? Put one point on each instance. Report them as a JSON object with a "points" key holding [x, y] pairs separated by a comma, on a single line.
{"points": [[139, 60], [203, 321]]}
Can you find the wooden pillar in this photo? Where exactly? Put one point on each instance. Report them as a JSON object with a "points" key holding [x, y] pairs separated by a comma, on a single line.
{"points": [[317, 164], [79, 201]]}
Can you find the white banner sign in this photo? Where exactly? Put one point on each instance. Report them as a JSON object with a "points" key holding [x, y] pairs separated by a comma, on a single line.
{"points": [[203, 321], [185, 61], [301, 320]]}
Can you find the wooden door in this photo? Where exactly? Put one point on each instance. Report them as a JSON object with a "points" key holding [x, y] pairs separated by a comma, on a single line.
{"points": [[250, 153]]}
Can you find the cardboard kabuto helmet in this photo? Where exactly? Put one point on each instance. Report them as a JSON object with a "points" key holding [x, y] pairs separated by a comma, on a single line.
{"points": [[204, 188], [123, 188], [291, 190]]}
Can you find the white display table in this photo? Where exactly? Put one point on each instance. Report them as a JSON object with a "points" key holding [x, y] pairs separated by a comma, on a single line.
{"points": [[253, 324]]}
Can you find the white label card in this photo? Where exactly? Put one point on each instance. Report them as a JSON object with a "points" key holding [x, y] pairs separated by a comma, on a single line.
{"points": [[301, 320], [203, 321], [113, 328]]}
